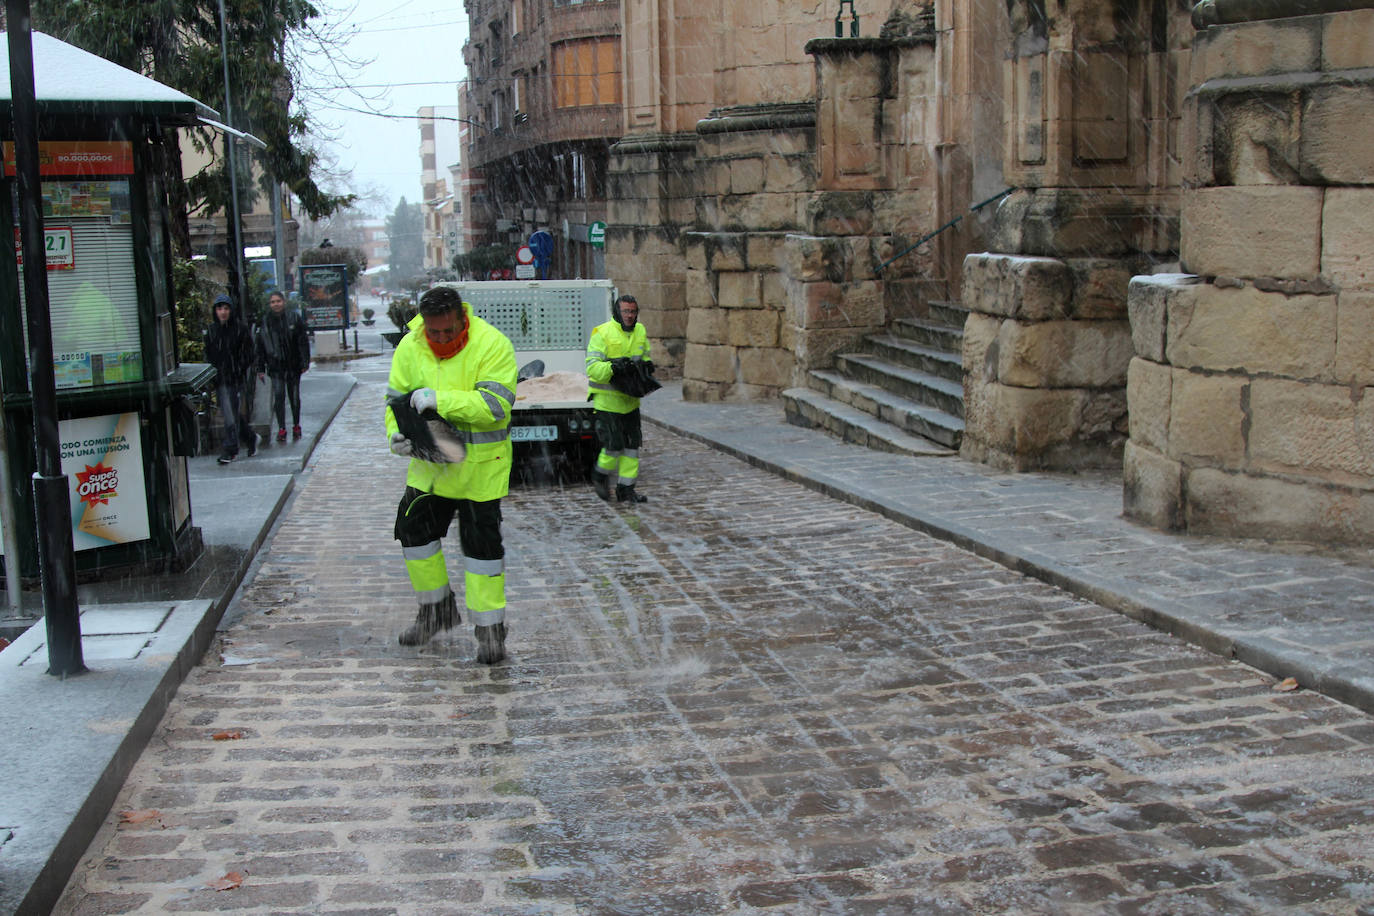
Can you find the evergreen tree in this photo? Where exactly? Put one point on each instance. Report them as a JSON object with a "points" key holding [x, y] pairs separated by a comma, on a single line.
{"points": [[405, 229]]}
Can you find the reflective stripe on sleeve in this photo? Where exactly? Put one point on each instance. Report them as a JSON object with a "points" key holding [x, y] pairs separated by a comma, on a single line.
{"points": [[496, 388], [496, 396], [494, 404]]}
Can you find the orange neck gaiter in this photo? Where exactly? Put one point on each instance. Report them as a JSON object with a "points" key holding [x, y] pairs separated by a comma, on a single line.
{"points": [[445, 350]]}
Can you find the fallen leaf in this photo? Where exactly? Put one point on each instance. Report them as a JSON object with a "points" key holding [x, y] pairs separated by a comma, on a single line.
{"points": [[138, 817], [228, 882], [1287, 684], [227, 736]]}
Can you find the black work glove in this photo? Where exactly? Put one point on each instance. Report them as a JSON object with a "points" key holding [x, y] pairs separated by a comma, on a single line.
{"points": [[620, 364], [649, 366]]}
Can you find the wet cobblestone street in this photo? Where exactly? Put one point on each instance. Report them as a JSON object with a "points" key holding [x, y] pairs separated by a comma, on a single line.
{"points": [[738, 697]]}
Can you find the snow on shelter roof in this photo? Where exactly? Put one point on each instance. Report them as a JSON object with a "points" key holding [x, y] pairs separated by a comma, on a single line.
{"points": [[68, 80]]}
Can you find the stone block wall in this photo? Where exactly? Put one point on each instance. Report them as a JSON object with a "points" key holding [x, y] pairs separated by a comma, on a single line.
{"points": [[1046, 350], [649, 199], [753, 170], [736, 310], [1248, 391]]}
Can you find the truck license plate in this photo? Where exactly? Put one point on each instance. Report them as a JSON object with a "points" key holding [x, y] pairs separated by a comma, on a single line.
{"points": [[533, 433]]}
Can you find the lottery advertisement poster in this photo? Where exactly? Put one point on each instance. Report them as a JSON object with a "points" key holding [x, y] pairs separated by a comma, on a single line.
{"points": [[103, 460]]}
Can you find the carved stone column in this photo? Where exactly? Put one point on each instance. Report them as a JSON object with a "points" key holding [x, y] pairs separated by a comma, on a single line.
{"points": [[1091, 105]]}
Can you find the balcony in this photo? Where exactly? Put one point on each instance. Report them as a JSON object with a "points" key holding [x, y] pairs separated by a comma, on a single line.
{"points": [[549, 126]]}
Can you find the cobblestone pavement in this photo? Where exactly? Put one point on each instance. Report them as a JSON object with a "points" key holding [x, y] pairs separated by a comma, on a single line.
{"points": [[739, 697]]}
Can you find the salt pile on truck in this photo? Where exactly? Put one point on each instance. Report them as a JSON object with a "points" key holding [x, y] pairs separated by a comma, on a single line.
{"points": [[549, 322]]}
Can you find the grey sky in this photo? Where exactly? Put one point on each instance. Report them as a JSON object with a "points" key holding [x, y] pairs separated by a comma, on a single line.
{"points": [[415, 53]]}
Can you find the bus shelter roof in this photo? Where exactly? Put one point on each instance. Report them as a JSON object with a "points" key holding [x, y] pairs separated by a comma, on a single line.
{"points": [[70, 81]]}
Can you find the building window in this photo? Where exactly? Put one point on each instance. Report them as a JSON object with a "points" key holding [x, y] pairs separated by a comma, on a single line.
{"points": [[586, 72], [579, 176]]}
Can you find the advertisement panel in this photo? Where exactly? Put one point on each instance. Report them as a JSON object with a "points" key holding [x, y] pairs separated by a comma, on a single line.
{"points": [[79, 157], [57, 243], [324, 294], [103, 460]]}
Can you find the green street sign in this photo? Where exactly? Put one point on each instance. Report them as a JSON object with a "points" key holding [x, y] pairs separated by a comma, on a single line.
{"points": [[596, 234]]}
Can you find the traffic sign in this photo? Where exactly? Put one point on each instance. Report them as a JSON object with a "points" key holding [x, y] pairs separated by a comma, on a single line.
{"points": [[523, 255], [541, 243]]}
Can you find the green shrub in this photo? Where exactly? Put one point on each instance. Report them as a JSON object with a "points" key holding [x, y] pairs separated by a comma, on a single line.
{"points": [[401, 311], [193, 292], [479, 261]]}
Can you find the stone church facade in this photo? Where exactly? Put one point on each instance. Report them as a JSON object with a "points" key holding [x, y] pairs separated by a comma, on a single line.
{"points": [[1154, 213]]}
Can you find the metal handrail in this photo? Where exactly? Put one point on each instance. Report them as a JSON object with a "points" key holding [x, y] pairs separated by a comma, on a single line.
{"points": [[927, 237]]}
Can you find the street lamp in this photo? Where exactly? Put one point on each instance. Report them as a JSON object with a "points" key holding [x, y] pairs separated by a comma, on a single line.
{"points": [[235, 237]]}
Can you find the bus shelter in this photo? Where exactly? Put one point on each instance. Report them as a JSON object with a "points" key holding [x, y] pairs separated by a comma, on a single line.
{"points": [[122, 395]]}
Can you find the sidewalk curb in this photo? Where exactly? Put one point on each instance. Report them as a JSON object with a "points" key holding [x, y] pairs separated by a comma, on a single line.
{"points": [[62, 784], [191, 627], [188, 628]]}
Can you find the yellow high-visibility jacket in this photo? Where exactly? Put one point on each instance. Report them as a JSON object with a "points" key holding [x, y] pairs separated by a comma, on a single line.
{"points": [[609, 341], [475, 389]]}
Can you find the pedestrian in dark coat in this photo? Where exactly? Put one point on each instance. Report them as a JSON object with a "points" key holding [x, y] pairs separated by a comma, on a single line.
{"points": [[284, 354], [229, 348]]}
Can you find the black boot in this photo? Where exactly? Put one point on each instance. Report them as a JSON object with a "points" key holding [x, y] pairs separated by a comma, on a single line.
{"points": [[491, 644], [602, 482], [430, 619], [626, 494]]}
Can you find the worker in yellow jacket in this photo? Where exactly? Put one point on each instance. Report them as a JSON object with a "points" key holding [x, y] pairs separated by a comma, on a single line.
{"points": [[618, 431], [455, 363]]}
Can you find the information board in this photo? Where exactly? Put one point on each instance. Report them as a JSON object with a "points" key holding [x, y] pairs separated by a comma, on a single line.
{"points": [[324, 294], [102, 458]]}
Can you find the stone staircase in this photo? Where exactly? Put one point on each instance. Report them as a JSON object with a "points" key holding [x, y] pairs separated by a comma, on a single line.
{"points": [[902, 392]]}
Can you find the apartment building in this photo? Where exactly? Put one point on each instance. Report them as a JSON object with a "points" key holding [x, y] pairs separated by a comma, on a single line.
{"points": [[440, 154], [540, 108]]}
